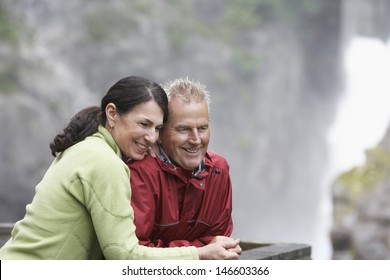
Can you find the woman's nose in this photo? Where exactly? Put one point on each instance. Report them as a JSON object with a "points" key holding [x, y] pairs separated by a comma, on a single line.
{"points": [[152, 136]]}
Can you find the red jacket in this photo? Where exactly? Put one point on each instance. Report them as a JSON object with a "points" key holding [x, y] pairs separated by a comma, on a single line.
{"points": [[206, 202]]}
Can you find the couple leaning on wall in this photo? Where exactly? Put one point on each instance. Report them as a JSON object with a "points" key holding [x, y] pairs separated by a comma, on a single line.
{"points": [[150, 137]]}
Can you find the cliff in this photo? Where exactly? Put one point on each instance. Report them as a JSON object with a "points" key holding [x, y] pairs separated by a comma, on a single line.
{"points": [[361, 208]]}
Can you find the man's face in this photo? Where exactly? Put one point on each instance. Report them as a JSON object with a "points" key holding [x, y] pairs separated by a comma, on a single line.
{"points": [[186, 135]]}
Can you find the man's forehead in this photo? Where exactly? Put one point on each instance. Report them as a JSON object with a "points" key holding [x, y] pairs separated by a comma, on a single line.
{"points": [[190, 121], [189, 101], [183, 120]]}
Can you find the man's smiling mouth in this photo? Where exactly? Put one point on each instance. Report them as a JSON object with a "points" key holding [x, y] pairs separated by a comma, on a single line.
{"points": [[191, 151]]}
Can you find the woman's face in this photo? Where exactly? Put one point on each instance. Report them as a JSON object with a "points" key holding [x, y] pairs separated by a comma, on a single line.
{"points": [[136, 130]]}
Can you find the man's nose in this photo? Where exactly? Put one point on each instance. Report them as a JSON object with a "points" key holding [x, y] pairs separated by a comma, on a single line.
{"points": [[194, 136]]}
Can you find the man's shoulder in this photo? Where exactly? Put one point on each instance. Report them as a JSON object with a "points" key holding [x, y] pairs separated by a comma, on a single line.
{"points": [[216, 159], [147, 162]]}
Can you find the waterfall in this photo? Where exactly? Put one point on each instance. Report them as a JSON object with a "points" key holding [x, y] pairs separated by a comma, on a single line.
{"points": [[273, 96], [363, 114]]}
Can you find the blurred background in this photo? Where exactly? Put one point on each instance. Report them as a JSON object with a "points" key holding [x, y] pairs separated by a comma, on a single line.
{"points": [[300, 102]]}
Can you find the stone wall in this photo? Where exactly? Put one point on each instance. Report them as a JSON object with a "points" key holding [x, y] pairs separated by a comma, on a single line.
{"points": [[252, 250]]}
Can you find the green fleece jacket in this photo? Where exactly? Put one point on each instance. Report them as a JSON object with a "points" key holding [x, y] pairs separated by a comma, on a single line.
{"points": [[81, 210]]}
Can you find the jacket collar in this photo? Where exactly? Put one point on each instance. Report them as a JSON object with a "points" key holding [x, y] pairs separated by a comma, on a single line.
{"points": [[106, 136], [163, 156]]}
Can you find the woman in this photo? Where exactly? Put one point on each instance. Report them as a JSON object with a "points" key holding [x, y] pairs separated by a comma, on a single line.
{"points": [[81, 209]]}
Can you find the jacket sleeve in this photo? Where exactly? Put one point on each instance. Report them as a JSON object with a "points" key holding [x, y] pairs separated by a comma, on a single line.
{"points": [[108, 201]]}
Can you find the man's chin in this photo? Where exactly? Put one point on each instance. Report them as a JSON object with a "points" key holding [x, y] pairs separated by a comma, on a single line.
{"points": [[191, 166]]}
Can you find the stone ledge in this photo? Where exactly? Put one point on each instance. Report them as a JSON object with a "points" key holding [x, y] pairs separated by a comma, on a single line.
{"points": [[278, 251], [251, 250], [5, 232]]}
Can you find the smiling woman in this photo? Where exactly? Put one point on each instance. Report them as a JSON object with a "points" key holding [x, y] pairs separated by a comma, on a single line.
{"points": [[81, 208], [137, 130]]}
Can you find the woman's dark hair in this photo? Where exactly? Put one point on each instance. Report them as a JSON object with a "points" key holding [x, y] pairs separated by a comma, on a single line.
{"points": [[126, 94], [83, 124], [132, 91]]}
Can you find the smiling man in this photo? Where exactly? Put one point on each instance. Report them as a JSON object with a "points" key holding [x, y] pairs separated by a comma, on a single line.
{"points": [[183, 196]]}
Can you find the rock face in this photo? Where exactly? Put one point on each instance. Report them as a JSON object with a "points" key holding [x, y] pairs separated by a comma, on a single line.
{"points": [[361, 200], [271, 105], [272, 68], [361, 196]]}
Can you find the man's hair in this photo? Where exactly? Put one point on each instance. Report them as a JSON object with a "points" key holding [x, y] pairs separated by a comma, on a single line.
{"points": [[187, 90]]}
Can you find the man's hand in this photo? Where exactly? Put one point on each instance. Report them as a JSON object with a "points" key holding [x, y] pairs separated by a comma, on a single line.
{"points": [[220, 250], [228, 240]]}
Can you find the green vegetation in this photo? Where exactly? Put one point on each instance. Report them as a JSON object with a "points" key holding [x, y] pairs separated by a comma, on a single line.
{"points": [[142, 6], [105, 26], [8, 78], [8, 32], [8, 42], [364, 178], [182, 24], [240, 15], [230, 26], [292, 9]]}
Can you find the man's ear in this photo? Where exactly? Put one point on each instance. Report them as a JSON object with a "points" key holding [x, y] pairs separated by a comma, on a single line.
{"points": [[111, 114]]}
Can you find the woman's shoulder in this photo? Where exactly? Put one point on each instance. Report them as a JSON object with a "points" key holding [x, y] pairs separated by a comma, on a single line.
{"points": [[95, 154]]}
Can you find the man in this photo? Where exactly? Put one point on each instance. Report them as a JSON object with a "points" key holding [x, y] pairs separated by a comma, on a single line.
{"points": [[183, 196]]}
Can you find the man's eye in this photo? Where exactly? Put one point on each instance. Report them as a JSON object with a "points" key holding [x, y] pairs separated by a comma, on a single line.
{"points": [[143, 124]]}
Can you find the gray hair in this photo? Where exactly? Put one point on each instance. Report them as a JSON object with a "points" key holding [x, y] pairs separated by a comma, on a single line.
{"points": [[187, 90]]}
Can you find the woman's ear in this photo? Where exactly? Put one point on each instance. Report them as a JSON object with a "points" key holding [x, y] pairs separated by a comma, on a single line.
{"points": [[111, 114]]}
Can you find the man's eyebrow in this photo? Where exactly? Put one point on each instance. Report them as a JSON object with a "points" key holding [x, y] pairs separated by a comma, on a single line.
{"points": [[182, 126]]}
